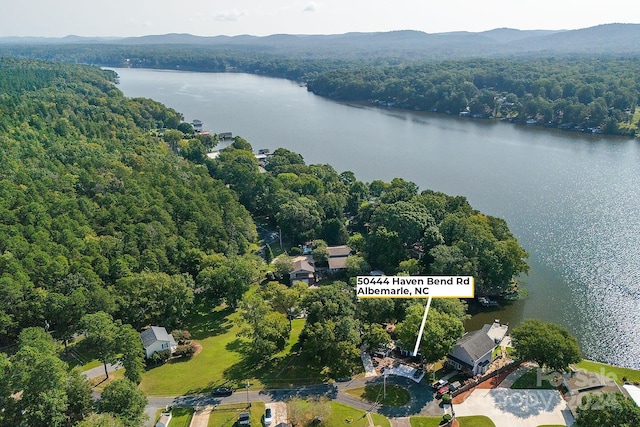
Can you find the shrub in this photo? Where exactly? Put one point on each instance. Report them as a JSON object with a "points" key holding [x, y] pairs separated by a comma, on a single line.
{"points": [[446, 399], [182, 337], [185, 350], [159, 357]]}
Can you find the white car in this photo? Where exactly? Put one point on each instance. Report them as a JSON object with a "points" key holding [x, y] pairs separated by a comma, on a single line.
{"points": [[267, 417]]}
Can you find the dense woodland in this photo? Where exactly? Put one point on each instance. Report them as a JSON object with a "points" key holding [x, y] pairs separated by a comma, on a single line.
{"points": [[113, 218], [580, 91]]}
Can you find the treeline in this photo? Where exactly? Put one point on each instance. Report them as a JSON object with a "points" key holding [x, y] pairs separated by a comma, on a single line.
{"points": [[586, 93], [96, 213], [392, 226], [217, 59], [598, 94]]}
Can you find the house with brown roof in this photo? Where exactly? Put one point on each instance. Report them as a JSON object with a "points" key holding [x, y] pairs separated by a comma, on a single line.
{"points": [[338, 257], [303, 270]]}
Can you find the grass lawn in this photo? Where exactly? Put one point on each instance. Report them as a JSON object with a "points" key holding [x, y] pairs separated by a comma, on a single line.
{"points": [[216, 331], [476, 421], [425, 421], [223, 360], [530, 380], [342, 415], [472, 421], [227, 415], [180, 417], [396, 395], [614, 372], [99, 383]]}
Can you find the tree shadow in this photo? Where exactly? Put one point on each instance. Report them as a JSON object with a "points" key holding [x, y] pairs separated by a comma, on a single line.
{"points": [[282, 372], [525, 403], [206, 321]]}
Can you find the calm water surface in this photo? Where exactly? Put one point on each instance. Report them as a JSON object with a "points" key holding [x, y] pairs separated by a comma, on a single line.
{"points": [[572, 200]]}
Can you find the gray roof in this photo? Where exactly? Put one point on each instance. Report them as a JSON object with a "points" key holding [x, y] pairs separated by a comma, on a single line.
{"points": [[472, 346], [155, 334]]}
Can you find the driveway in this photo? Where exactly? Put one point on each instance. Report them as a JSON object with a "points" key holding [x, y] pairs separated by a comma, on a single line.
{"points": [[278, 412], [517, 408]]}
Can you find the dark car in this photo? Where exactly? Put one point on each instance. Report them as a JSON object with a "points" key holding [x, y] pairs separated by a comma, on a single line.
{"points": [[244, 419], [222, 391]]}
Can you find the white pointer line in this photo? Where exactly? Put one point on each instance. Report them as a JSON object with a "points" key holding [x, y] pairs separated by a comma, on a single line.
{"points": [[424, 319]]}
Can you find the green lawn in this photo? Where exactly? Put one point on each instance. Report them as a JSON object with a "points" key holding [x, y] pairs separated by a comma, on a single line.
{"points": [[180, 417], [216, 332], [342, 415], [227, 415], [614, 372], [425, 421], [473, 421], [530, 380], [223, 360], [396, 395], [476, 421]]}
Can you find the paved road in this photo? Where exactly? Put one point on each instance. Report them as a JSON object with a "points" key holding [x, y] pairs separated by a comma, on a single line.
{"points": [[421, 398]]}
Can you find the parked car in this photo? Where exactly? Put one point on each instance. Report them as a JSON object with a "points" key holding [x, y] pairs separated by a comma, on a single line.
{"points": [[244, 419], [267, 417], [442, 391], [417, 373], [439, 384], [222, 391]]}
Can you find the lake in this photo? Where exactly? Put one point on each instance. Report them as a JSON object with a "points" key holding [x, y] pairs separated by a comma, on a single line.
{"points": [[571, 199]]}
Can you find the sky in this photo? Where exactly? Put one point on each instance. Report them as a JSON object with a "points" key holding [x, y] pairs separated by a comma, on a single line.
{"points": [[124, 18]]}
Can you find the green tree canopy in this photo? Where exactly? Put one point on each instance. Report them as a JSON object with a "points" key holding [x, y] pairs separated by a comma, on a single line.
{"points": [[441, 331], [547, 344]]}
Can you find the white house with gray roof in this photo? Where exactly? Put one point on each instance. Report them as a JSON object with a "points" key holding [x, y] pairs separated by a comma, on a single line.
{"points": [[472, 353], [155, 339]]}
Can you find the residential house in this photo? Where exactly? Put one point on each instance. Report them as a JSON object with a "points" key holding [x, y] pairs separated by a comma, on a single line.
{"points": [[472, 353], [338, 257], [155, 339], [197, 125], [303, 270]]}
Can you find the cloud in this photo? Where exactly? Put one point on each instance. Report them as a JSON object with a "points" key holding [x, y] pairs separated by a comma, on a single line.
{"points": [[311, 7], [229, 15]]}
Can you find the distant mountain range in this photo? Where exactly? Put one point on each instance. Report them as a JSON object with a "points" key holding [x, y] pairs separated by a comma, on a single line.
{"points": [[603, 39]]}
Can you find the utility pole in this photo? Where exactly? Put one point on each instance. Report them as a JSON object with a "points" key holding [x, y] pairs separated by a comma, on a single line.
{"points": [[248, 404]]}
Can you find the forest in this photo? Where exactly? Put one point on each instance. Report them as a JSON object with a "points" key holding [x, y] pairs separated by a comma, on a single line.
{"points": [[578, 92], [112, 218]]}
